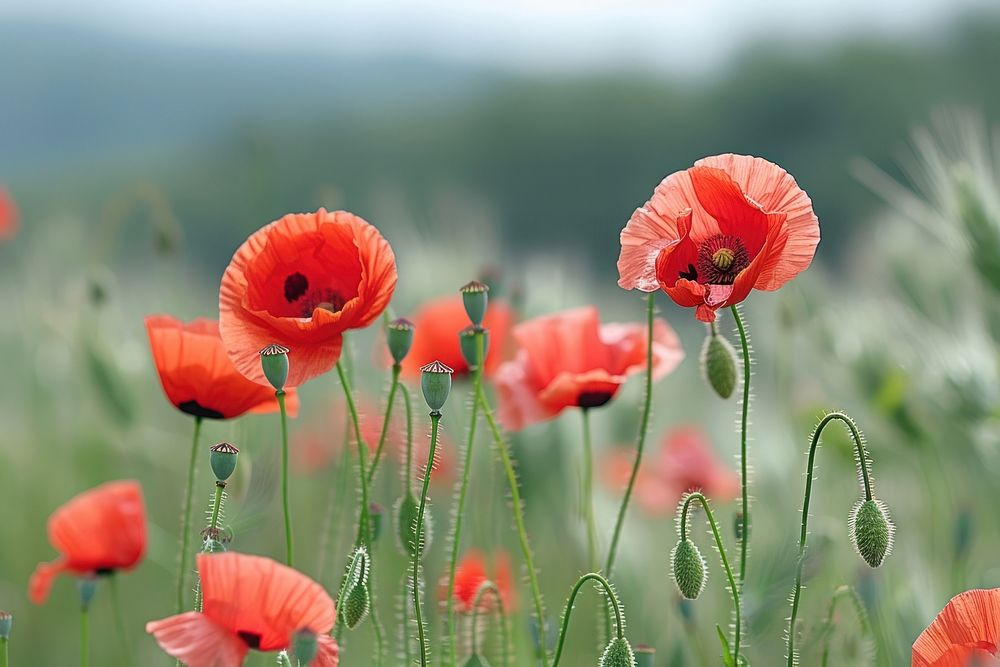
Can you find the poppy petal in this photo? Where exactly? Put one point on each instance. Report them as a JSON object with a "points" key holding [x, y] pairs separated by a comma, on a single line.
{"points": [[736, 216], [970, 619], [329, 653], [645, 235], [197, 641], [41, 580], [519, 405]]}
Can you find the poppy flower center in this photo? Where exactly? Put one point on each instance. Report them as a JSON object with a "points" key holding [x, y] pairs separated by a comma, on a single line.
{"points": [[304, 298], [592, 399], [720, 259], [251, 639]]}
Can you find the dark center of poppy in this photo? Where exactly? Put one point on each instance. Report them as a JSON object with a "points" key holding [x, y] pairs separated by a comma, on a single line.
{"points": [[720, 259], [297, 291], [295, 286], [104, 571], [593, 399], [197, 410], [251, 639]]}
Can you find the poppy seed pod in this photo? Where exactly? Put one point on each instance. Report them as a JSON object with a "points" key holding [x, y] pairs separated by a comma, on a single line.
{"points": [[718, 364], [6, 621], [306, 646], [476, 660], [407, 509], [871, 531], [689, 569], [644, 656], [435, 382], [618, 654], [399, 338], [274, 363], [467, 341], [475, 296], [223, 460], [353, 602], [87, 588]]}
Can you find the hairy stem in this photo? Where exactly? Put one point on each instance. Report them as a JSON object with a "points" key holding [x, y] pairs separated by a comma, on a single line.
{"points": [[859, 610], [744, 481], [490, 587], [418, 547], [186, 520], [612, 601], [587, 495]]}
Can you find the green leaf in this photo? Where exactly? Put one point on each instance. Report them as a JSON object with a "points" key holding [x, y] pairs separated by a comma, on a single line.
{"points": [[727, 656]]}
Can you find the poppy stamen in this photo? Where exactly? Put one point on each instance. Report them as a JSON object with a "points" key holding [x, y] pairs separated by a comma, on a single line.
{"points": [[721, 258], [296, 285]]}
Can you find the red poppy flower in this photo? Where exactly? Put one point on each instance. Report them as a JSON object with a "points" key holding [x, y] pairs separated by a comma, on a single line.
{"points": [[713, 232], [197, 375], [966, 632], [99, 531], [471, 572], [301, 282], [435, 335], [570, 359], [248, 602], [685, 462], [9, 218]]}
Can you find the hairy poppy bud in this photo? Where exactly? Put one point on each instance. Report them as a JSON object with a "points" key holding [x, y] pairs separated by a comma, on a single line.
{"points": [[644, 655], [618, 654], [6, 621], [476, 660], [87, 588], [871, 531], [475, 296], [689, 569], [467, 342], [399, 338], [435, 382], [718, 364], [223, 460], [407, 509], [274, 363], [354, 601], [306, 646]]}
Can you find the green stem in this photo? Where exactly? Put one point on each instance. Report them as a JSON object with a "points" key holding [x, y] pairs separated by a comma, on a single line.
{"points": [[419, 546], [289, 548], [641, 442], [396, 369], [489, 586], [4, 660], [522, 532], [734, 590], [186, 521], [220, 488], [407, 656], [862, 464], [859, 610], [587, 497], [451, 641], [116, 606], [612, 601], [744, 482], [285, 660], [84, 637], [407, 471]]}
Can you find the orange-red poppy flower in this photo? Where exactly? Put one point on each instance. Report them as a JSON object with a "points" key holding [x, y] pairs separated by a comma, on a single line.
{"points": [[966, 632], [197, 375], [301, 282], [99, 531], [570, 359], [472, 571], [248, 602], [713, 232], [437, 325], [685, 462], [9, 218]]}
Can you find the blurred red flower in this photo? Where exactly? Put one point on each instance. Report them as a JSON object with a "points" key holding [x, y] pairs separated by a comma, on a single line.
{"points": [[685, 462], [248, 602], [435, 335], [301, 282], [197, 375], [9, 218], [98, 532], [317, 445], [713, 232], [570, 359], [471, 572], [966, 632]]}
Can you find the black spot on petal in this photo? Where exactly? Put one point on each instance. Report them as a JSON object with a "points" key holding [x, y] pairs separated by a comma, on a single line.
{"points": [[295, 286], [197, 410]]}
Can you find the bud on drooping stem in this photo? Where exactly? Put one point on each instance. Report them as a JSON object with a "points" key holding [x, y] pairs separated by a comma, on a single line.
{"points": [[435, 382], [718, 364], [354, 601], [871, 531], [475, 296], [223, 460], [689, 569], [274, 363], [467, 343], [618, 654], [399, 338]]}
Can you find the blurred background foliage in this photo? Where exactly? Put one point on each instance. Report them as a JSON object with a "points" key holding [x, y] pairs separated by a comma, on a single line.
{"points": [[140, 166]]}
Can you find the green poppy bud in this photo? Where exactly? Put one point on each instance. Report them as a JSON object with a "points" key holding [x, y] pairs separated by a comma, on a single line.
{"points": [[718, 364], [476, 660], [871, 531], [223, 460], [274, 362], [407, 509], [644, 655], [435, 382], [399, 337], [467, 342], [305, 644], [87, 588], [689, 569], [475, 296], [618, 654], [353, 602], [6, 621]]}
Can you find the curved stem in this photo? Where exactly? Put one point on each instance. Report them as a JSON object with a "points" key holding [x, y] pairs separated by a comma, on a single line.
{"points": [[84, 637], [451, 640], [396, 369], [612, 601], [862, 463], [289, 548], [641, 442], [859, 610], [418, 547], [186, 520], [734, 589], [744, 481], [489, 586], [522, 532], [587, 496]]}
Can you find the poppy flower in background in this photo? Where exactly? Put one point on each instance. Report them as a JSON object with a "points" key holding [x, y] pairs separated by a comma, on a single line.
{"points": [[570, 359], [9, 217], [248, 602], [319, 444], [966, 632], [197, 375], [98, 532], [685, 462], [713, 232], [301, 282], [435, 335], [471, 572]]}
